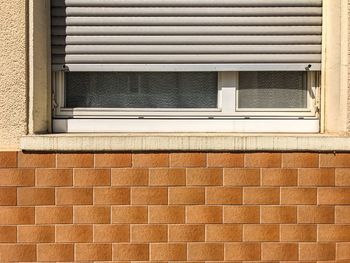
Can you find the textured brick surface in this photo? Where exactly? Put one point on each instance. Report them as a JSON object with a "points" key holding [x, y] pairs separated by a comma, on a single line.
{"points": [[175, 207]]}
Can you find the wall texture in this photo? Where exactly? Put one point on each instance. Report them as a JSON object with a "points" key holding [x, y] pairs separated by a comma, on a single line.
{"points": [[194, 207]]}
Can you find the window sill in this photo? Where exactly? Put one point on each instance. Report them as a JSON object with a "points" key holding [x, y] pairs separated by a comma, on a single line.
{"points": [[185, 142]]}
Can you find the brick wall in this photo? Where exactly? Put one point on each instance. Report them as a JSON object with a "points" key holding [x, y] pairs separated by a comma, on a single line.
{"points": [[197, 207]]}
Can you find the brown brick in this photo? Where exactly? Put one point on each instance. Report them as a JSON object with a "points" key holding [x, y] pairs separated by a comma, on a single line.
{"points": [[36, 234], [112, 196], [17, 177], [203, 214], [168, 252], [96, 252], [36, 160], [54, 215], [316, 177], [279, 214], [74, 196], [241, 214], [315, 214], [342, 215], [339, 233], [113, 160], [130, 252], [343, 251], [206, 251], [204, 176], [8, 196], [150, 160], [188, 160], [223, 232], [334, 196], [111, 233], [149, 196], [36, 196], [186, 196], [298, 196], [317, 251], [263, 160], [279, 251], [167, 177], [17, 253], [54, 177], [149, 233], [242, 251], [130, 177], [75, 160], [167, 214], [8, 234], [342, 177], [223, 195], [261, 196], [300, 160], [92, 177], [129, 215], [92, 215], [8, 159], [279, 177], [241, 177], [74, 233], [335, 160], [186, 233], [55, 252], [225, 160], [261, 233], [298, 233], [16, 215]]}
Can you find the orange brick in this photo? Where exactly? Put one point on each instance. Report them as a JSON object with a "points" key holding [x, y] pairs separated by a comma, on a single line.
{"points": [[150, 160], [16, 215], [188, 160], [300, 160], [149, 233], [315, 214], [36, 234], [36, 196], [17, 253], [203, 214], [335, 160], [261, 196], [149, 196], [263, 160], [129, 215], [317, 251], [204, 176], [225, 160], [8, 234], [242, 251], [186, 233], [92, 215], [342, 215], [339, 233], [316, 177], [261, 233], [112, 196], [113, 160], [92, 177], [223, 195], [17, 177], [298, 233], [186, 195], [241, 214], [223, 232], [342, 177], [206, 251], [334, 196], [241, 177], [8, 196], [298, 196], [167, 177], [343, 251], [130, 177], [55, 252], [130, 252], [279, 214], [168, 252], [36, 160], [96, 252], [167, 214], [74, 196], [54, 215], [75, 160], [54, 177], [111, 233], [74, 233], [8, 159], [279, 177], [279, 251]]}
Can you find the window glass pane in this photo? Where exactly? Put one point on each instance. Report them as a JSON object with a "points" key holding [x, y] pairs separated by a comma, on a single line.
{"points": [[141, 90], [272, 90]]}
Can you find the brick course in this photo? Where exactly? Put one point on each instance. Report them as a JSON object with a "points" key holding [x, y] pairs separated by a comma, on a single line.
{"points": [[164, 207]]}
